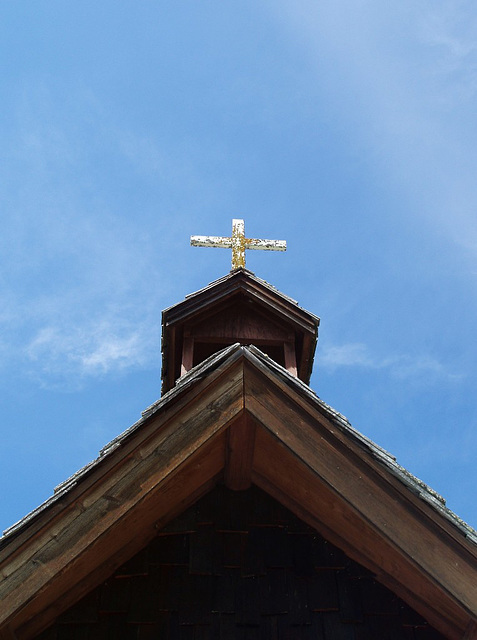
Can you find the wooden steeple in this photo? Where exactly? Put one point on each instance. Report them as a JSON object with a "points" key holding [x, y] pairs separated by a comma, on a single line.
{"points": [[239, 308]]}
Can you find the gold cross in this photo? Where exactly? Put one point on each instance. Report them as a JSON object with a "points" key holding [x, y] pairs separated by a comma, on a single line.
{"points": [[238, 243]]}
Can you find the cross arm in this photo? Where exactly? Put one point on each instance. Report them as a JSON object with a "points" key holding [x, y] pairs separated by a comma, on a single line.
{"points": [[266, 245], [211, 241]]}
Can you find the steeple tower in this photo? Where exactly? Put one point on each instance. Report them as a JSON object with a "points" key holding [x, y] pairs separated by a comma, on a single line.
{"points": [[238, 308]]}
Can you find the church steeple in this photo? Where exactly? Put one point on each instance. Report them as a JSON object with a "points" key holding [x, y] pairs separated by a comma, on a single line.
{"points": [[237, 308]]}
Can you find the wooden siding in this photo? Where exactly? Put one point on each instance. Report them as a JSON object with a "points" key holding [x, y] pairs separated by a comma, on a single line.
{"points": [[240, 565]]}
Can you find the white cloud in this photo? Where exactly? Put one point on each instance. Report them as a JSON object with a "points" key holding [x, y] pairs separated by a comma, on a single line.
{"points": [[401, 366], [82, 283], [348, 355], [60, 355], [112, 351]]}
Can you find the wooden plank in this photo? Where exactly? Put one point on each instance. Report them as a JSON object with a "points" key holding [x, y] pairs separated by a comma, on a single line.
{"points": [[471, 631], [187, 354], [57, 514], [290, 357], [328, 429], [357, 485], [106, 553], [239, 454], [313, 501], [58, 558], [119, 493], [239, 322]]}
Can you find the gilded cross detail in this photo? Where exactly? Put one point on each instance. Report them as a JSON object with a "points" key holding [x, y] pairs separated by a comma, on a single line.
{"points": [[238, 243]]}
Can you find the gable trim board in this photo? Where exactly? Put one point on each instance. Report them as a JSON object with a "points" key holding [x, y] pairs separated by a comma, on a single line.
{"points": [[240, 418]]}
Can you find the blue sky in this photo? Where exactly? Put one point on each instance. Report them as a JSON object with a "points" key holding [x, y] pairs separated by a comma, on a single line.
{"points": [[347, 128]]}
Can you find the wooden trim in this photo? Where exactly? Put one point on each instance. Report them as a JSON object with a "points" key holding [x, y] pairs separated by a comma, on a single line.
{"points": [[341, 486], [220, 293], [187, 354], [227, 376], [239, 455], [322, 425], [46, 609], [117, 508], [317, 505], [290, 357]]}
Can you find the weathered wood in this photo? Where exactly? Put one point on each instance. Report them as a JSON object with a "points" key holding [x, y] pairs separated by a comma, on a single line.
{"points": [[241, 322], [238, 243], [187, 354], [120, 493], [346, 496], [240, 308], [353, 449], [290, 357], [138, 473], [412, 593], [104, 554], [471, 631], [239, 454], [59, 514]]}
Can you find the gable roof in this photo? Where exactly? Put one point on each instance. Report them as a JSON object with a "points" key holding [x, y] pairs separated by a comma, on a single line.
{"points": [[241, 418]]}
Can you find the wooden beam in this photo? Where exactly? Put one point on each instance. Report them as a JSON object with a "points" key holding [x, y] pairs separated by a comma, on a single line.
{"points": [[187, 354], [313, 502], [471, 631], [239, 454], [290, 357], [343, 488], [145, 528], [57, 514], [115, 509]]}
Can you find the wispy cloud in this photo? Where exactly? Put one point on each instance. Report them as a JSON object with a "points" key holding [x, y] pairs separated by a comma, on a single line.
{"points": [[401, 366], [406, 74], [347, 355], [62, 356], [81, 284]]}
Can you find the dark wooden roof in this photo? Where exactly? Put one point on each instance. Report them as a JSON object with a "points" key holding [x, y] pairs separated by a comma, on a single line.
{"points": [[240, 419]]}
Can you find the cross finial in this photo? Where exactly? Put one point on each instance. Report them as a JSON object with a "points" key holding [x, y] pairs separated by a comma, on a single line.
{"points": [[238, 243]]}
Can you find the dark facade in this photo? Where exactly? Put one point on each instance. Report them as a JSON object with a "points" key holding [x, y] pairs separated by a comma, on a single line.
{"points": [[238, 565]]}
